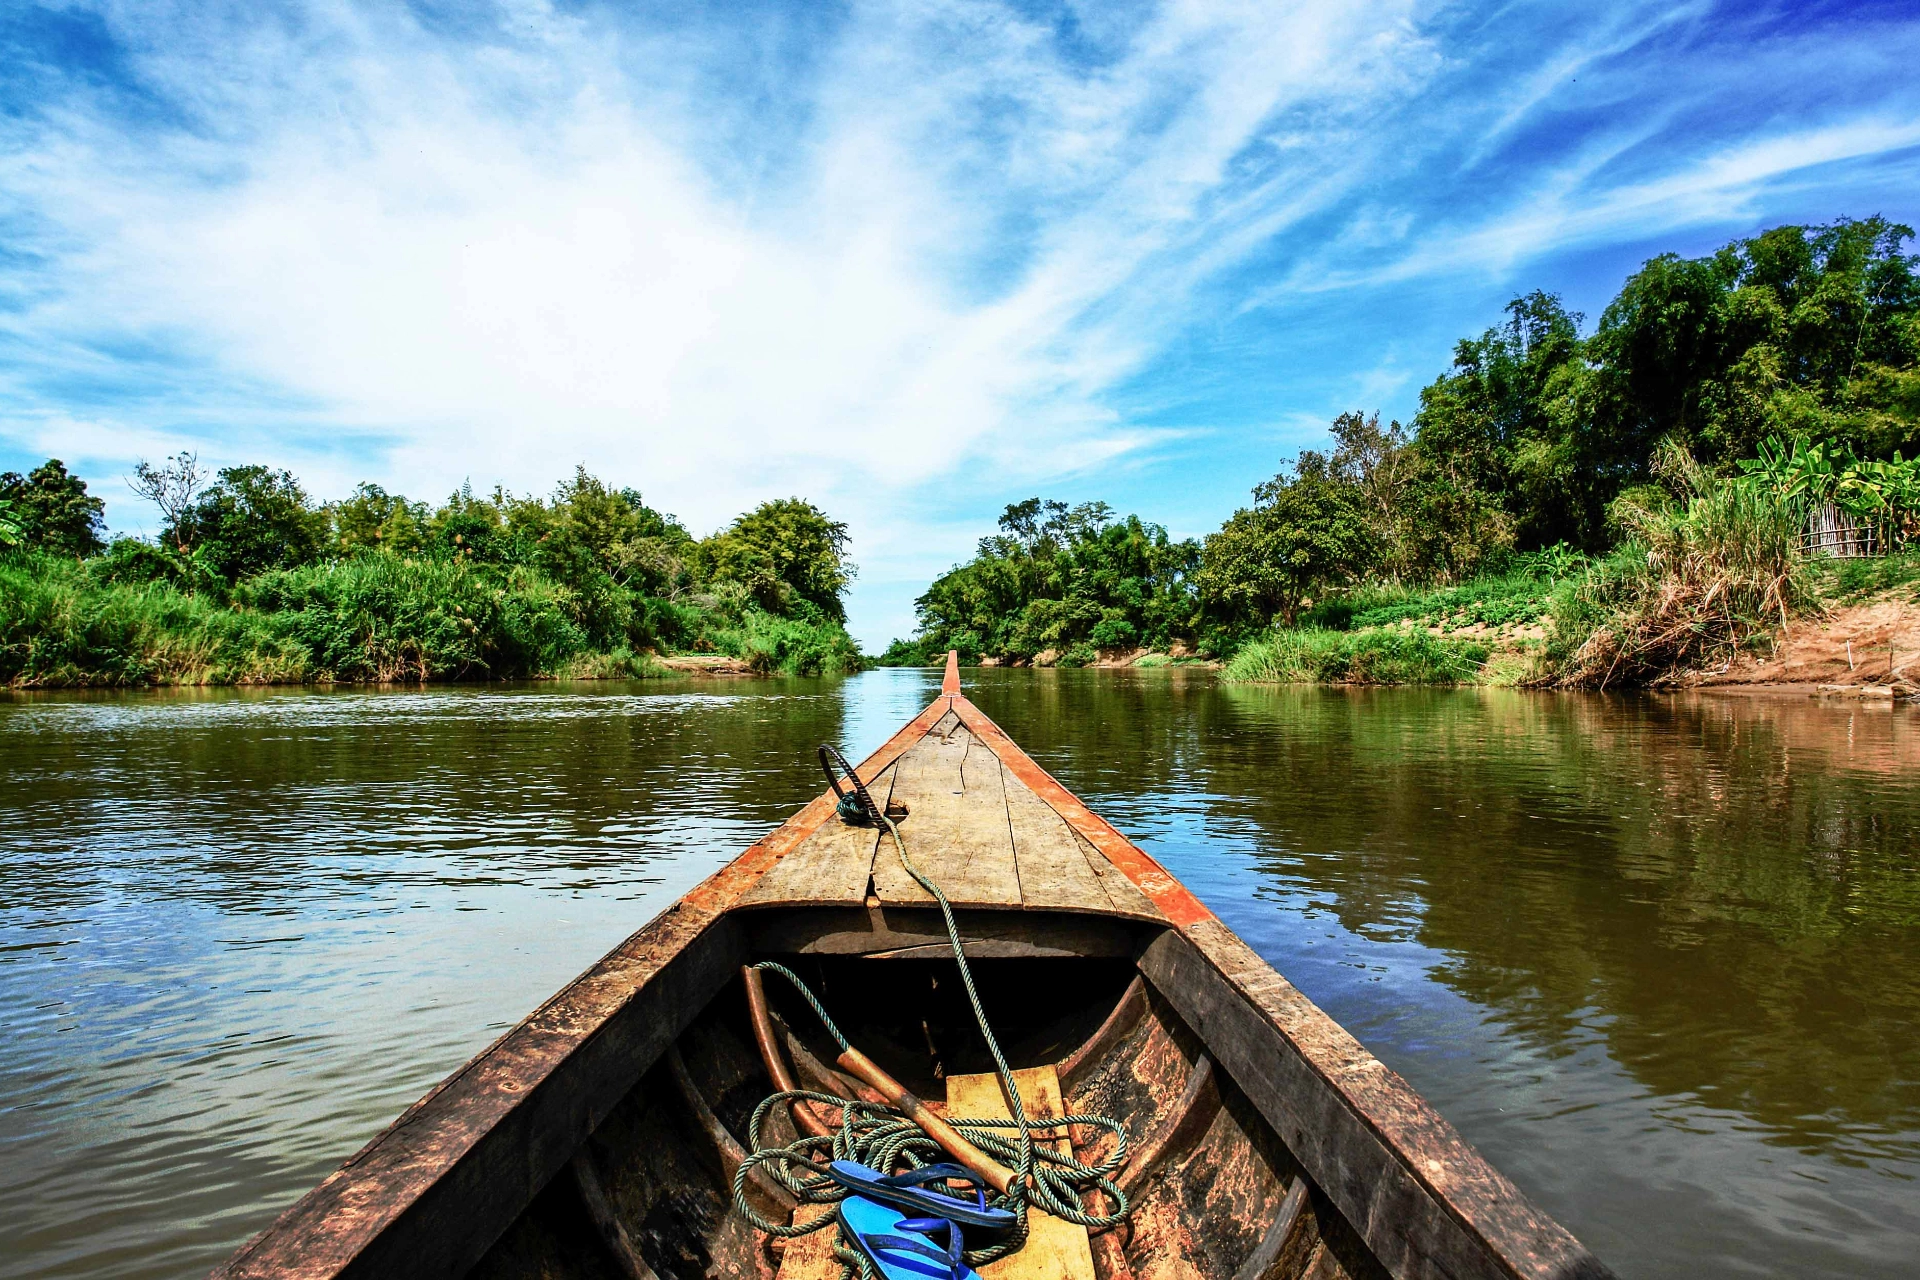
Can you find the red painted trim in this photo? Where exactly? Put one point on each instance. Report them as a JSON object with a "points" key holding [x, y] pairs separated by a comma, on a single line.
{"points": [[1166, 892], [950, 683]]}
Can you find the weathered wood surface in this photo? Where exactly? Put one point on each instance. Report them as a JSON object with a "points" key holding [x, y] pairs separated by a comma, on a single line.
{"points": [[620, 1247], [977, 830], [1056, 1249], [1426, 1203], [1168, 897], [913, 932], [830, 866], [810, 1257], [957, 830]]}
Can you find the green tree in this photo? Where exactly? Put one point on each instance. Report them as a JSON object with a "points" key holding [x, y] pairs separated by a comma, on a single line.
{"points": [[1305, 533], [371, 518], [1060, 578], [784, 550], [53, 509], [256, 518], [1803, 331]]}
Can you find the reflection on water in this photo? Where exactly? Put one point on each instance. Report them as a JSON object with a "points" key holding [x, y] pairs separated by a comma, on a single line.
{"points": [[1658, 957]]}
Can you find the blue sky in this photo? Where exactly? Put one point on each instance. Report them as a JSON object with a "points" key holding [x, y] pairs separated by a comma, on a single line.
{"points": [[911, 260]]}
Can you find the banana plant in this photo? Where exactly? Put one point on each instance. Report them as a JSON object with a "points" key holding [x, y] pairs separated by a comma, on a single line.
{"points": [[1808, 474], [11, 532]]}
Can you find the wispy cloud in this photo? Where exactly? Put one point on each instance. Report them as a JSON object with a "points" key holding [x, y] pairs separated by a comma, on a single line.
{"points": [[902, 257]]}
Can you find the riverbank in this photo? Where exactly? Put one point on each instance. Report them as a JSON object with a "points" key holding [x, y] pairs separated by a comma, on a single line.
{"points": [[1858, 630], [380, 619]]}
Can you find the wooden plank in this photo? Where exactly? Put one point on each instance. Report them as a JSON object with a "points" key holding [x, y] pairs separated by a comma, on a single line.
{"points": [[724, 887], [1425, 1202], [1171, 898], [1052, 861], [956, 832], [1122, 892], [830, 866], [1055, 1249], [810, 1257], [613, 1232], [899, 931]]}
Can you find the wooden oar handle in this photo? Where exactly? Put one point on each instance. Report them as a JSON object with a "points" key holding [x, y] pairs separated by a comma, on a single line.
{"points": [[997, 1175]]}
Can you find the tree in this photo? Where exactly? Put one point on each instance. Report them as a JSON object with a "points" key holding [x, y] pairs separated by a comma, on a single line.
{"points": [[373, 518], [1070, 579], [253, 519], [1803, 331], [173, 487], [1305, 532], [781, 548], [53, 510]]}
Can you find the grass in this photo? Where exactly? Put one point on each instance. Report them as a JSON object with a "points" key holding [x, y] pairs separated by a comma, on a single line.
{"points": [[1377, 656], [789, 646], [376, 618], [1690, 584], [59, 628], [1848, 581], [1499, 600]]}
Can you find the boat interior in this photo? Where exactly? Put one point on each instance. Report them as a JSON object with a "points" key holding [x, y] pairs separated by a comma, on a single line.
{"points": [[1216, 1193]]}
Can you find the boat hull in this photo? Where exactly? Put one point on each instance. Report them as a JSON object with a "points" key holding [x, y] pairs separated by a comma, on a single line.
{"points": [[599, 1135]]}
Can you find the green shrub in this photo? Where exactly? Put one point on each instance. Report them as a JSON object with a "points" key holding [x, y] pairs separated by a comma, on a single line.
{"points": [[1692, 584], [1356, 657], [769, 644], [59, 627]]}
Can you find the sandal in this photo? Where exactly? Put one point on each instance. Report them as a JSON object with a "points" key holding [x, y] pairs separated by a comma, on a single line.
{"points": [[876, 1231], [909, 1191]]}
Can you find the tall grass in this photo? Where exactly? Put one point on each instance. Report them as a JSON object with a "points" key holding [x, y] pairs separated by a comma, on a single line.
{"points": [[58, 627], [1385, 656], [1691, 584], [769, 644], [376, 618], [384, 618]]}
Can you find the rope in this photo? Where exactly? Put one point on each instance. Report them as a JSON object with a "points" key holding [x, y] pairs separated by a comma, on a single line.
{"points": [[882, 1138]]}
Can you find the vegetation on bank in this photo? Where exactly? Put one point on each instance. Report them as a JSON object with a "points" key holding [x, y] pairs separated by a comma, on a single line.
{"points": [[1584, 508], [250, 581]]}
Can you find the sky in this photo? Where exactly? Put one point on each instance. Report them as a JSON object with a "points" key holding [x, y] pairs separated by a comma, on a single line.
{"points": [[912, 261]]}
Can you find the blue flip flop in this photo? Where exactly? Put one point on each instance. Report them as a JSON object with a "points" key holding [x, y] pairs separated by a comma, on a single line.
{"points": [[909, 1191], [901, 1247]]}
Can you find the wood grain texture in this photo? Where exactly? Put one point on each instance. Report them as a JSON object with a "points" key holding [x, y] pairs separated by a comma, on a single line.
{"points": [[957, 833], [829, 867], [1055, 1249], [1426, 1203], [906, 931], [1168, 896], [621, 1250], [1052, 861], [810, 1257]]}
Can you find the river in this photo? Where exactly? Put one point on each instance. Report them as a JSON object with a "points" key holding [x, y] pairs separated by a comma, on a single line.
{"points": [[1657, 956]]}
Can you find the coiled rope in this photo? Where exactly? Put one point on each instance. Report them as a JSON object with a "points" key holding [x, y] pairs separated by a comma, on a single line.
{"points": [[882, 1137]]}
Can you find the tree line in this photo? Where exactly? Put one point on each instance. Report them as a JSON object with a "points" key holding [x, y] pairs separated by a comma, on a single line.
{"points": [[1541, 435], [588, 569]]}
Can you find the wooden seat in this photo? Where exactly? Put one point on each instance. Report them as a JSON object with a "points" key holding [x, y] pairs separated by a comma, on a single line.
{"points": [[1056, 1249]]}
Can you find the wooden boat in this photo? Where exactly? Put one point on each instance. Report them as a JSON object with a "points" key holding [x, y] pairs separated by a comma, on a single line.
{"points": [[600, 1136]]}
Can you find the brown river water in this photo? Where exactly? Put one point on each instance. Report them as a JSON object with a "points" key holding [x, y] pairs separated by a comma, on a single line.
{"points": [[1658, 957]]}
